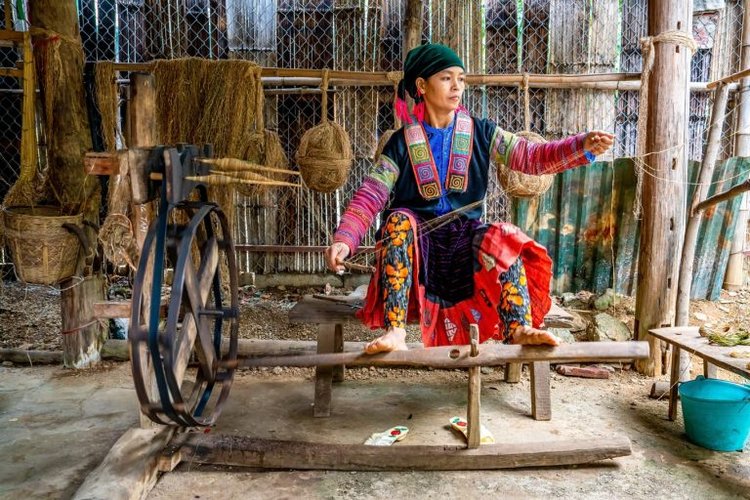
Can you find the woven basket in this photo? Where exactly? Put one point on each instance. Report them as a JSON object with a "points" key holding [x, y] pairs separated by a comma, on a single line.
{"points": [[325, 157], [520, 185], [43, 251]]}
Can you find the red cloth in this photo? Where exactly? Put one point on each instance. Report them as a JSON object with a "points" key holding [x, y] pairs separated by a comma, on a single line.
{"points": [[501, 245]]}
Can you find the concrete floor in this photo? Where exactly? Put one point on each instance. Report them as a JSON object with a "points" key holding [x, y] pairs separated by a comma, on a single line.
{"points": [[57, 425]]}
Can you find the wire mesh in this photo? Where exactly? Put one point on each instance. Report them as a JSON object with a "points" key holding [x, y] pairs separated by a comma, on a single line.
{"points": [[492, 36]]}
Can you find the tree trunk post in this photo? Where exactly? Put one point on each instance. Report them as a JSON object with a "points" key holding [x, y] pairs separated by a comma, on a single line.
{"points": [[734, 275], [662, 227]]}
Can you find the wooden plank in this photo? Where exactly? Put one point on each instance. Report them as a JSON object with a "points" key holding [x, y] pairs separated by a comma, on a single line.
{"points": [[243, 451], [688, 339], [130, 469], [324, 374], [459, 356], [473, 431], [110, 309], [540, 391], [98, 163], [11, 72]]}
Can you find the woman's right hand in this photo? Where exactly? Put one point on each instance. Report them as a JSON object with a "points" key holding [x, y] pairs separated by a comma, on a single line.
{"points": [[335, 254]]}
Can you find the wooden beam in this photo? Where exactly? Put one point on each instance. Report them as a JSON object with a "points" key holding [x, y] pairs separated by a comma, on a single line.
{"points": [[11, 72], [662, 192], [101, 163], [290, 248], [131, 468], [31, 358], [242, 451], [540, 391], [9, 35], [460, 356], [8, 15]]}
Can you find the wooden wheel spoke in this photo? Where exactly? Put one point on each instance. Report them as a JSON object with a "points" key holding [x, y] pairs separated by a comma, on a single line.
{"points": [[208, 267], [200, 325]]}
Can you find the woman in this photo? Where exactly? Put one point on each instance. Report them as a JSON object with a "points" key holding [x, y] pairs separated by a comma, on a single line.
{"points": [[436, 262]]}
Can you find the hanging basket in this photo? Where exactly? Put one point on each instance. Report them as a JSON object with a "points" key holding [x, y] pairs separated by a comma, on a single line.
{"points": [[44, 244], [520, 185], [325, 157]]}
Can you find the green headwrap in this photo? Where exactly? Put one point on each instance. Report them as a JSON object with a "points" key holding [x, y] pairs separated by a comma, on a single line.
{"points": [[423, 62]]}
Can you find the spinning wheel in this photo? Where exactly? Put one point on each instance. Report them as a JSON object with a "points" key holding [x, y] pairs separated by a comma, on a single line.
{"points": [[202, 308]]}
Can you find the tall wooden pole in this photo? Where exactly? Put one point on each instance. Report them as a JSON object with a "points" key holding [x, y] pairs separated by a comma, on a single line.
{"points": [[662, 227], [734, 276], [412, 25]]}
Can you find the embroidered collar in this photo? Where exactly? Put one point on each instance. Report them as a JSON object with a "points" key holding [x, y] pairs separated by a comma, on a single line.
{"points": [[423, 163]]}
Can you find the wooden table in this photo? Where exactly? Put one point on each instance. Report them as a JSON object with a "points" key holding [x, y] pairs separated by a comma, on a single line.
{"points": [[688, 338]]}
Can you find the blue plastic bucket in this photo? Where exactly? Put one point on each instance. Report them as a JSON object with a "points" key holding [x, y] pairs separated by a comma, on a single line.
{"points": [[716, 413]]}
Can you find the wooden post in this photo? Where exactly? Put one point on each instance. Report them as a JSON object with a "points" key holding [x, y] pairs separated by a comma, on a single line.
{"points": [[540, 391], [8, 15], [83, 334], [141, 133], [662, 227], [29, 150], [694, 217], [412, 25], [328, 334], [734, 275]]}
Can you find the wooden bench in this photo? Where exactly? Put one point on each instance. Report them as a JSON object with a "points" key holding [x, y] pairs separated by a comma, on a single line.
{"points": [[330, 313], [689, 339]]}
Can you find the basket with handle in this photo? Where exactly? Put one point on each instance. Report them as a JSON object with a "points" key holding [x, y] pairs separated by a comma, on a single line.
{"points": [[45, 244]]}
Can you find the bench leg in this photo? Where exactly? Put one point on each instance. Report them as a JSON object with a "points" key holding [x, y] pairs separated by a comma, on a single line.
{"points": [[338, 346], [709, 369], [674, 379], [324, 374], [513, 372], [540, 391]]}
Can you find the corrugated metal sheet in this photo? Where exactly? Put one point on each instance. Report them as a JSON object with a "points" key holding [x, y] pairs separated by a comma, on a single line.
{"points": [[586, 223]]}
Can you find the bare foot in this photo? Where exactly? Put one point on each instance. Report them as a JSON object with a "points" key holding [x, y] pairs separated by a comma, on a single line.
{"points": [[525, 335], [392, 340]]}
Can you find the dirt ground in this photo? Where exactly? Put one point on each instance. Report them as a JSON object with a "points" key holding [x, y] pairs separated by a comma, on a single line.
{"points": [[57, 425]]}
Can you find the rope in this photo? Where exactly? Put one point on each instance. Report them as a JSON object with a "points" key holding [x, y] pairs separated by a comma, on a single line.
{"points": [[647, 49]]}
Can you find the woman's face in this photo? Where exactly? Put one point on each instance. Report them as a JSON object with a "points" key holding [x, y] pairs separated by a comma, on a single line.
{"points": [[442, 91]]}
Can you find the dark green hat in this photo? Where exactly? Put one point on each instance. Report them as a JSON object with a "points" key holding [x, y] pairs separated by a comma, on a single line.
{"points": [[424, 61]]}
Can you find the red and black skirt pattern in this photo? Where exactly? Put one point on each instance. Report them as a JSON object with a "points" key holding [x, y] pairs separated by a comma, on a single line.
{"points": [[459, 273]]}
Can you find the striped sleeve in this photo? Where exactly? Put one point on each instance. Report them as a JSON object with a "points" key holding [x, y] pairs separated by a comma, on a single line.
{"points": [[537, 159], [368, 201]]}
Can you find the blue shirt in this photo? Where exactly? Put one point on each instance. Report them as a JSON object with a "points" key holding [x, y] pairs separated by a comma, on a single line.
{"points": [[441, 140]]}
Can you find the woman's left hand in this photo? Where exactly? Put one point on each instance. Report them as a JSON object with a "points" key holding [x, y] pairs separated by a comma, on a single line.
{"points": [[598, 142]]}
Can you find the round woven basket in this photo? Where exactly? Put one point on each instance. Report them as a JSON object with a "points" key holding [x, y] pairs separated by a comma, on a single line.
{"points": [[43, 251], [382, 142], [520, 185], [325, 157]]}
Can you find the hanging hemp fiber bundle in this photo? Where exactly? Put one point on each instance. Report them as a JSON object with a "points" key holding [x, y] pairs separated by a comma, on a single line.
{"points": [[520, 185], [325, 154]]}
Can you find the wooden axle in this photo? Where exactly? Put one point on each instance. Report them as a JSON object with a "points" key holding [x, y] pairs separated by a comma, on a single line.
{"points": [[460, 356]]}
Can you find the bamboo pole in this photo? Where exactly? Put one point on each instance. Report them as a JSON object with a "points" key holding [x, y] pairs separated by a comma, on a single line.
{"points": [[729, 79], [662, 227], [713, 146], [733, 278]]}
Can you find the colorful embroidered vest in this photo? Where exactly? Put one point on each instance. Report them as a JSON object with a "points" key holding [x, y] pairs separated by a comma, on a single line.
{"points": [[423, 163]]}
